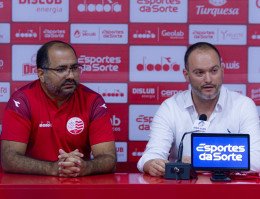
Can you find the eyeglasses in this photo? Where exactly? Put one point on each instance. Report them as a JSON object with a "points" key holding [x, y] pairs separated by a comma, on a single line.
{"points": [[62, 70]]}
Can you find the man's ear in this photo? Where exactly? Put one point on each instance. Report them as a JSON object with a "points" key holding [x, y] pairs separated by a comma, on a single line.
{"points": [[40, 73], [186, 74]]}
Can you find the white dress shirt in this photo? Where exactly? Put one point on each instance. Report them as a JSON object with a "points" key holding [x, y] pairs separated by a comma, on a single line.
{"points": [[176, 115]]}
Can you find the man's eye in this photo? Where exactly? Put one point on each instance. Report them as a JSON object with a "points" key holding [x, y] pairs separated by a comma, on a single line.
{"points": [[198, 73], [60, 70], [73, 68], [215, 70]]}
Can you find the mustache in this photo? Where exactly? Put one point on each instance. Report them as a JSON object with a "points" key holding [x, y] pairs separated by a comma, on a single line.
{"points": [[208, 85], [70, 81]]}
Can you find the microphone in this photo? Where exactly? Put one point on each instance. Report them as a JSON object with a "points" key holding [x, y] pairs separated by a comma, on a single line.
{"points": [[202, 117], [179, 170]]}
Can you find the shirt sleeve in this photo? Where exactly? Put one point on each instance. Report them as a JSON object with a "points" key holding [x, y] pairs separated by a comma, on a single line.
{"points": [[250, 124], [16, 120], [100, 128], [161, 138]]}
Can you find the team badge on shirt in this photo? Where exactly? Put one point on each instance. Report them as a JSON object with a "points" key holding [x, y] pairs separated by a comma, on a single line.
{"points": [[75, 125]]}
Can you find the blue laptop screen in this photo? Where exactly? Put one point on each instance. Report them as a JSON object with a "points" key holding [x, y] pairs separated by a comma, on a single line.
{"points": [[220, 151]]}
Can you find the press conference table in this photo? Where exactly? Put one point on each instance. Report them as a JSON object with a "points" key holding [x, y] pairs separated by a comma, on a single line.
{"points": [[122, 185]]}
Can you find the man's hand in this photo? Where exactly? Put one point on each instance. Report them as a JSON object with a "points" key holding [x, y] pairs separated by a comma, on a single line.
{"points": [[70, 164], [186, 159], [155, 167]]}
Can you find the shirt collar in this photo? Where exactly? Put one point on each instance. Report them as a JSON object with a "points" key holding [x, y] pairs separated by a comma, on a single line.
{"points": [[221, 100], [188, 102], [220, 103]]}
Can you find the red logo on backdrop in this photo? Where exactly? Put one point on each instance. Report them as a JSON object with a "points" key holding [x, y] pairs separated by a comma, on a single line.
{"points": [[119, 120], [167, 64], [98, 10], [218, 11], [158, 34], [110, 62], [5, 10], [234, 61], [30, 68], [253, 91], [135, 150], [5, 63], [35, 33]]}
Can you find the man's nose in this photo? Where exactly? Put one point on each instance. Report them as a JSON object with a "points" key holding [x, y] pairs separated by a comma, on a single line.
{"points": [[207, 77], [70, 73]]}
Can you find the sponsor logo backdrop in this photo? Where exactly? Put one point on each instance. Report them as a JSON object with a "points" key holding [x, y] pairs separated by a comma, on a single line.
{"points": [[132, 52]]}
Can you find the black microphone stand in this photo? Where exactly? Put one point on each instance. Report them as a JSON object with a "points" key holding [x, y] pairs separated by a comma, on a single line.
{"points": [[179, 170]]}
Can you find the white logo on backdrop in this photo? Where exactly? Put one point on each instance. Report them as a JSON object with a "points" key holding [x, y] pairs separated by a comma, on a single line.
{"points": [[164, 33], [217, 2], [116, 122], [140, 119], [157, 63], [255, 36], [146, 34], [234, 65], [159, 11], [121, 151], [218, 34], [23, 62], [144, 91], [111, 92], [4, 33], [168, 93], [99, 63], [54, 33], [43, 11], [99, 33], [47, 33], [4, 91], [109, 6], [137, 153], [253, 65], [174, 34]]}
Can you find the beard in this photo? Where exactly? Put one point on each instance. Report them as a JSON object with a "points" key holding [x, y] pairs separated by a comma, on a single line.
{"points": [[58, 91], [201, 95]]}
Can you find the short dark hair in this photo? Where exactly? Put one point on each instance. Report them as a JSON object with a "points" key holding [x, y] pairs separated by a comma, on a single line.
{"points": [[202, 46], [42, 57]]}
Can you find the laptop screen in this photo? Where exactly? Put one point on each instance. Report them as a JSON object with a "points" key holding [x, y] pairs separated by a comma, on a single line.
{"points": [[219, 151]]}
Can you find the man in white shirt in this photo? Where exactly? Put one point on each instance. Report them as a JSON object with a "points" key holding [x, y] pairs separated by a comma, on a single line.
{"points": [[227, 111]]}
